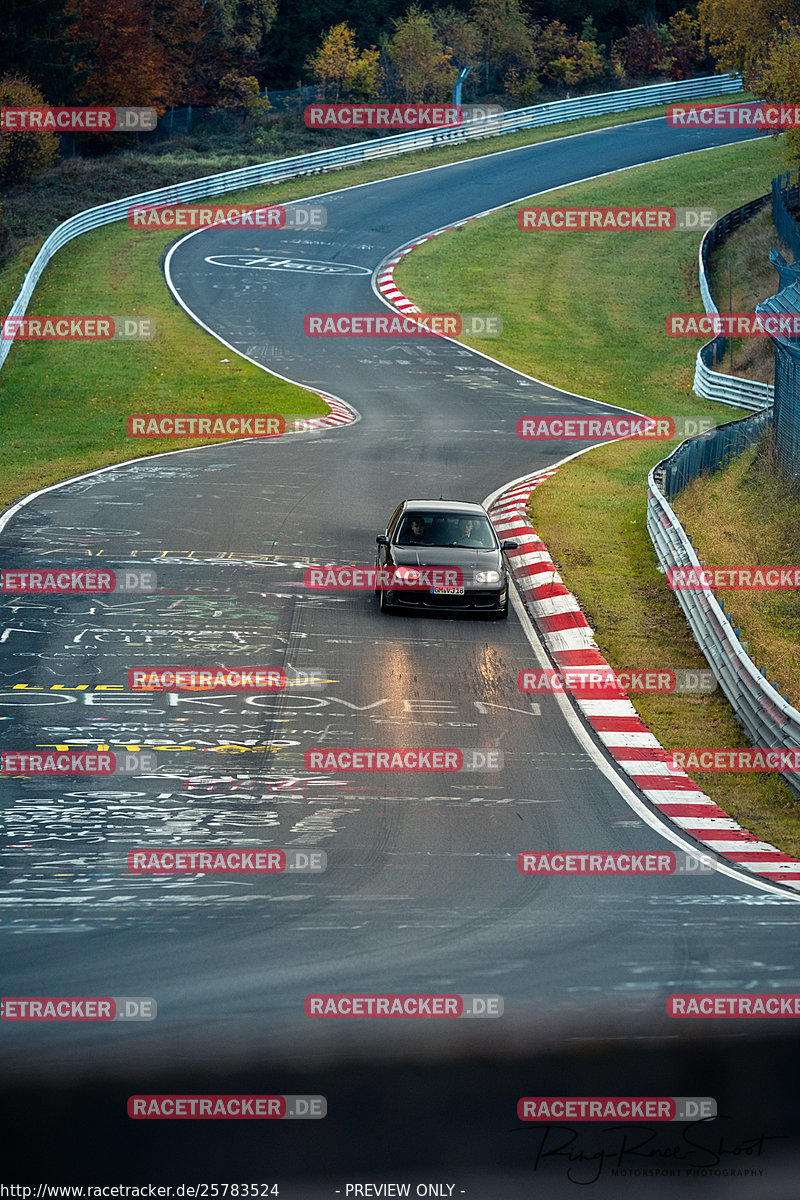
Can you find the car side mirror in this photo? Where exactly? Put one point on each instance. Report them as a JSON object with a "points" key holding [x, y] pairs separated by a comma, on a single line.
{"points": [[382, 539], [510, 546]]}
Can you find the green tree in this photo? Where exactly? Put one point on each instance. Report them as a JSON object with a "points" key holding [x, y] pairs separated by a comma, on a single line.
{"points": [[241, 94], [241, 26], [522, 86], [39, 39], [23, 152], [460, 36], [507, 38], [421, 67]]}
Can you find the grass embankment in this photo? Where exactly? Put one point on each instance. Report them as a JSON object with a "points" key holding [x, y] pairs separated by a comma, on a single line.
{"points": [[63, 405], [586, 312], [752, 279], [747, 514]]}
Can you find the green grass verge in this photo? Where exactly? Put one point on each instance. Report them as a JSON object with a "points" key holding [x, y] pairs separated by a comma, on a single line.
{"points": [[586, 312], [64, 404], [746, 505]]}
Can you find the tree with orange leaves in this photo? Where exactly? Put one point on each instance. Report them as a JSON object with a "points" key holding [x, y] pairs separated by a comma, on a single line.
{"points": [[125, 65]]}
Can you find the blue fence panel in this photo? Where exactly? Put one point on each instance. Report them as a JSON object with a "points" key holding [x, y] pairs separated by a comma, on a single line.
{"points": [[785, 204], [787, 363]]}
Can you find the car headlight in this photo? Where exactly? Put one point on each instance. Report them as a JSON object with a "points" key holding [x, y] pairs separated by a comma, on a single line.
{"points": [[406, 575], [487, 576]]}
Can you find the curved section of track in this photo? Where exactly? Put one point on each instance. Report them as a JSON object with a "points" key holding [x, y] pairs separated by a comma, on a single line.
{"points": [[422, 891]]}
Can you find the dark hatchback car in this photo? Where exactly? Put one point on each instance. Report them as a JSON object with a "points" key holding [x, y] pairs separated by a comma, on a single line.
{"points": [[451, 548]]}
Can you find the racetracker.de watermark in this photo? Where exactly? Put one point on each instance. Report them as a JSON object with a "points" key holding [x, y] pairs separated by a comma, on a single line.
{"points": [[65, 581], [721, 758], [613, 862], [78, 329], [237, 1107], [615, 219], [399, 116], [238, 216], [184, 679], [616, 1108], [733, 325], [734, 116], [356, 579], [599, 681], [735, 579], [399, 1005], [78, 1008], [200, 425], [383, 116], [216, 861], [733, 1004], [341, 325], [403, 758], [78, 119], [553, 427], [80, 762]]}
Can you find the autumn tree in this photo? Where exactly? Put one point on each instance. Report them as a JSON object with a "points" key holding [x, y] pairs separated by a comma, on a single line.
{"points": [[186, 33], [565, 58], [762, 41], [421, 67], [366, 76], [686, 45], [126, 64], [779, 78], [579, 62], [644, 51], [337, 64], [742, 33], [23, 152]]}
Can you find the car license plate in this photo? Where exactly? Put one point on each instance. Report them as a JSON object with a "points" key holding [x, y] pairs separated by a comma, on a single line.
{"points": [[447, 591]]}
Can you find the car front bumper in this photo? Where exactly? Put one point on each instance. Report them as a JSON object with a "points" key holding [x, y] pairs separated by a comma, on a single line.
{"points": [[473, 600]]}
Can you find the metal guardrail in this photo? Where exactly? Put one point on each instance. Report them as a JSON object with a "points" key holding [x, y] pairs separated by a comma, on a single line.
{"points": [[708, 451], [360, 152], [710, 384], [767, 717], [727, 389]]}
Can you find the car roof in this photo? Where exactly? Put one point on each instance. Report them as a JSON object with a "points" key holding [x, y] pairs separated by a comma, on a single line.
{"points": [[455, 506]]}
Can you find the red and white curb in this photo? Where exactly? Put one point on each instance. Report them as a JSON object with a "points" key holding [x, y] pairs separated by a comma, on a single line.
{"points": [[385, 277], [570, 642], [340, 414]]}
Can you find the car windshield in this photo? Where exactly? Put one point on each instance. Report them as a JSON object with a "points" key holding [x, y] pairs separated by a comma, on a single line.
{"points": [[446, 529]]}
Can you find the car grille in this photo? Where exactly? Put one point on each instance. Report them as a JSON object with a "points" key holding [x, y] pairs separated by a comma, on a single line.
{"points": [[428, 600]]}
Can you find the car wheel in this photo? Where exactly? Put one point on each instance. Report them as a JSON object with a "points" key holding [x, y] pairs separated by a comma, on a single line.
{"points": [[385, 605], [503, 612]]}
